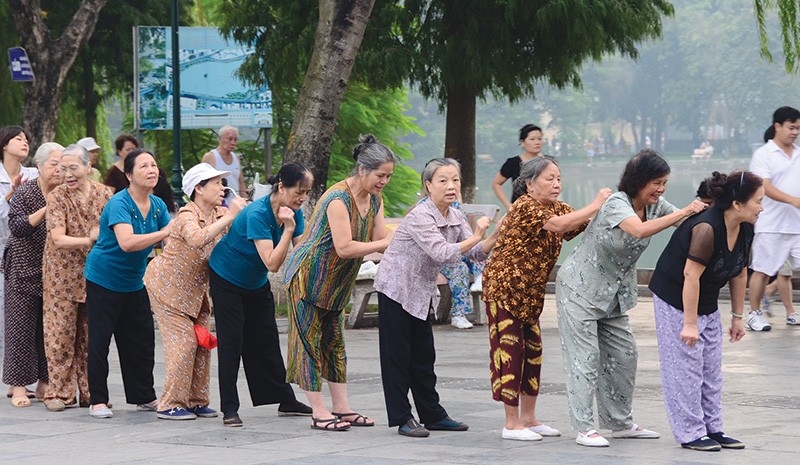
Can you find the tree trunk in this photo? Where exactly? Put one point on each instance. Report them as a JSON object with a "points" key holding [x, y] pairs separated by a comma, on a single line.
{"points": [[459, 139], [51, 60], [90, 100], [340, 31]]}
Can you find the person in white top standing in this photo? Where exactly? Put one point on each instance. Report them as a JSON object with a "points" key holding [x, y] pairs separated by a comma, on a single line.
{"points": [[777, 231], [224, 158]]}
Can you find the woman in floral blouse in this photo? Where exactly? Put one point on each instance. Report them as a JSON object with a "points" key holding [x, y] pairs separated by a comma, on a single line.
{"points": [[177, 284], [595, 288], [514, 285]]}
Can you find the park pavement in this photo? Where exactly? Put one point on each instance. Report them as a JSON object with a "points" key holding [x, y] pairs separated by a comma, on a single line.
{"points": [[761, 408]]}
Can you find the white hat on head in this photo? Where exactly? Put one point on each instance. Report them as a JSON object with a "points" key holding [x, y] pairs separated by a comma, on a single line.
{"points": [[88, 143], [199, 173]]}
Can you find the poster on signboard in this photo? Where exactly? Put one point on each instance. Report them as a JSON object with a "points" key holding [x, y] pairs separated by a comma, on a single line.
{"points": [[211, 94]]}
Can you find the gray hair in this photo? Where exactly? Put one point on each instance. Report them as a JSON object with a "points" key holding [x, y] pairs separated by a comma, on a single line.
{"points": [[227, 128], [531, 170], [371, 154], [44, 151], [77, 151], [433, 166]]}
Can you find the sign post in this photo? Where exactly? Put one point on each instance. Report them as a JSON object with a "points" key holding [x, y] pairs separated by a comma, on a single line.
{"points": [[21, 70]]}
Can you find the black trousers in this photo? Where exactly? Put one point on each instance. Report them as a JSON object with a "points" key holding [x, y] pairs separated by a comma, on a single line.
{"points": [[407, 359], [126, 316], [246, 330]]}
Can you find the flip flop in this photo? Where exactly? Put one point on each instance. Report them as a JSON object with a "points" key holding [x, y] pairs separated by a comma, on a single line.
{"points": [[330, 424], [359, 420], [21, 402], [28, 392]]}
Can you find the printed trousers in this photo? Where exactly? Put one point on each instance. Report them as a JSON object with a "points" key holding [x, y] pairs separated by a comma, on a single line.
{"points": [[66, 345]]}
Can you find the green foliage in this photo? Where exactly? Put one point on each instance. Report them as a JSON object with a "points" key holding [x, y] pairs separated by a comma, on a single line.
{"points": [[789, 17]]}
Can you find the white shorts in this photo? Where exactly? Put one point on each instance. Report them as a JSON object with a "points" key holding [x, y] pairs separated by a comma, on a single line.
{"points": [[771, 250]]}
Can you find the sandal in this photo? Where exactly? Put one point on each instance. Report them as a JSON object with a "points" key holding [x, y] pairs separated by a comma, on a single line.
{"points": [[359, 420], [28, 392], [330, 424], [21, 402]]}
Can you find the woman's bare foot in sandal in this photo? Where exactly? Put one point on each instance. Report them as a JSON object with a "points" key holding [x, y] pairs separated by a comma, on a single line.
{"points": [[355, 419], [41, 389], [329, 424]]}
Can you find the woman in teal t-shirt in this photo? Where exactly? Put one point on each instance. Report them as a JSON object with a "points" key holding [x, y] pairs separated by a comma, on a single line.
{"points": [[244, 309], [116, 301]]}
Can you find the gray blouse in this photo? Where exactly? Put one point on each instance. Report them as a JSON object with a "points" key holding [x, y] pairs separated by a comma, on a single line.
{"points": [[424, 241], [602, 268]]}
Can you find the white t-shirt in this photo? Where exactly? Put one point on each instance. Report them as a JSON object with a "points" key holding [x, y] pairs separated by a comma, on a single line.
{"points": [[235, 168], [770, 162]]}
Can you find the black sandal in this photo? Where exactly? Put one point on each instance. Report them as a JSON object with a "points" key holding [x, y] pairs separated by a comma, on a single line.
{"points": [[330, 424], [359, 420]]}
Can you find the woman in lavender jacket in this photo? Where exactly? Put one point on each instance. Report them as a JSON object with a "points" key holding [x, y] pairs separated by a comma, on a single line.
{"points": [[432, 234]]}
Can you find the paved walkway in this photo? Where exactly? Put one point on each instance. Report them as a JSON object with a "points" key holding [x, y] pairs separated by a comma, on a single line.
{"points": [[761, 407]]}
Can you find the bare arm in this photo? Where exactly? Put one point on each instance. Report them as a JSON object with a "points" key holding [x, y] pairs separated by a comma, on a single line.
{"points": [[737, 286], [242, 185], [497, 186], [62, 241], [574, 220], [691, 295], [208, 158], [130, 242], [379, 230], [36, 218], [639, 229], [778, 195], [346, 247]]}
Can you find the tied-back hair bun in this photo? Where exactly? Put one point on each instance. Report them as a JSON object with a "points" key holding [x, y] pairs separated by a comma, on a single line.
{"points": [[740, 186], [364, 139]]}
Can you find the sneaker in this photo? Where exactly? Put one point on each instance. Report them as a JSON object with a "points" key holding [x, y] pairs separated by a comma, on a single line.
{"points": [[460, 322], [524, 434], [725, 441], [446, 424], [477, 286], [586, 439], [793, 319], [756, 321], [103, 412], [177, 413], [413, 429], [544, 430], [705, 444], [636, 432], [148, 407], [294, 408], [204, 411]]}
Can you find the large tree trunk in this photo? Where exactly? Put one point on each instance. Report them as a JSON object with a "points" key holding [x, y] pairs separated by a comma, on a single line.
{"points": [[459, 139], [339, 33], [51, 60], [90, 100]]}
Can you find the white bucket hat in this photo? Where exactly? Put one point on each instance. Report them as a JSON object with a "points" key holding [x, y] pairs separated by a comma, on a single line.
{"points": [[199, 173]]}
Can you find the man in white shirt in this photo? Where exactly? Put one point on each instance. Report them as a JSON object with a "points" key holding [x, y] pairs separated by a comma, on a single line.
{"points": [[778, 227], [223, 158]]}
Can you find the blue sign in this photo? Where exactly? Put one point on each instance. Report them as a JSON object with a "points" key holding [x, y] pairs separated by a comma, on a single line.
{"points": [[21, 70]]}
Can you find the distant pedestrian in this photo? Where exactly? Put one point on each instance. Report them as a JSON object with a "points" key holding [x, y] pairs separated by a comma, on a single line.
{"points": [[117, 303], [73, 221], [93, 148], [25, 362], [514, 286], [224, 158], [177, 285], [346, 225], [705, 253], [777, 232], [595, 288], [432, 234], [530, 139], [244, 306]]}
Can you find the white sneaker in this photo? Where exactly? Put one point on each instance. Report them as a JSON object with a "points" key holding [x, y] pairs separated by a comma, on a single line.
{"points": [[635, 433], [793, 319], [544, 430], [521, 435], [757, 322], [460, 322], [477, 286], [585, 439]]}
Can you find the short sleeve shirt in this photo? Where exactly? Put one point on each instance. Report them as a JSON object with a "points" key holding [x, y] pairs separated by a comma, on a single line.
{"points": [[510, 170], [722, 264], [107, 264], [236, 258], [783, 172], [602, 267], [524, 255]]}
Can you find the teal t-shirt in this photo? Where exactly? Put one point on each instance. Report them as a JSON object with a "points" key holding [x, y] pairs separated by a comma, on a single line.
{"points": [[107, 265], [235, 257]]}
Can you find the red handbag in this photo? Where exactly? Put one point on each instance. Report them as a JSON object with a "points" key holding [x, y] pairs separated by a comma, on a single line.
{"points": [[204, 338]]}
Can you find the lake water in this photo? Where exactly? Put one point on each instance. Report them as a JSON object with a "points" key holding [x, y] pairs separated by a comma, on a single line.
{"points": [[581, 183]]}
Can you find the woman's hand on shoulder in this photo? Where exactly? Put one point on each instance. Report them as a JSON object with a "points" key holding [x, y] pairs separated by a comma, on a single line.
{"points": [[693, 208], [236, 205], [482, 225], [601, 197]]}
